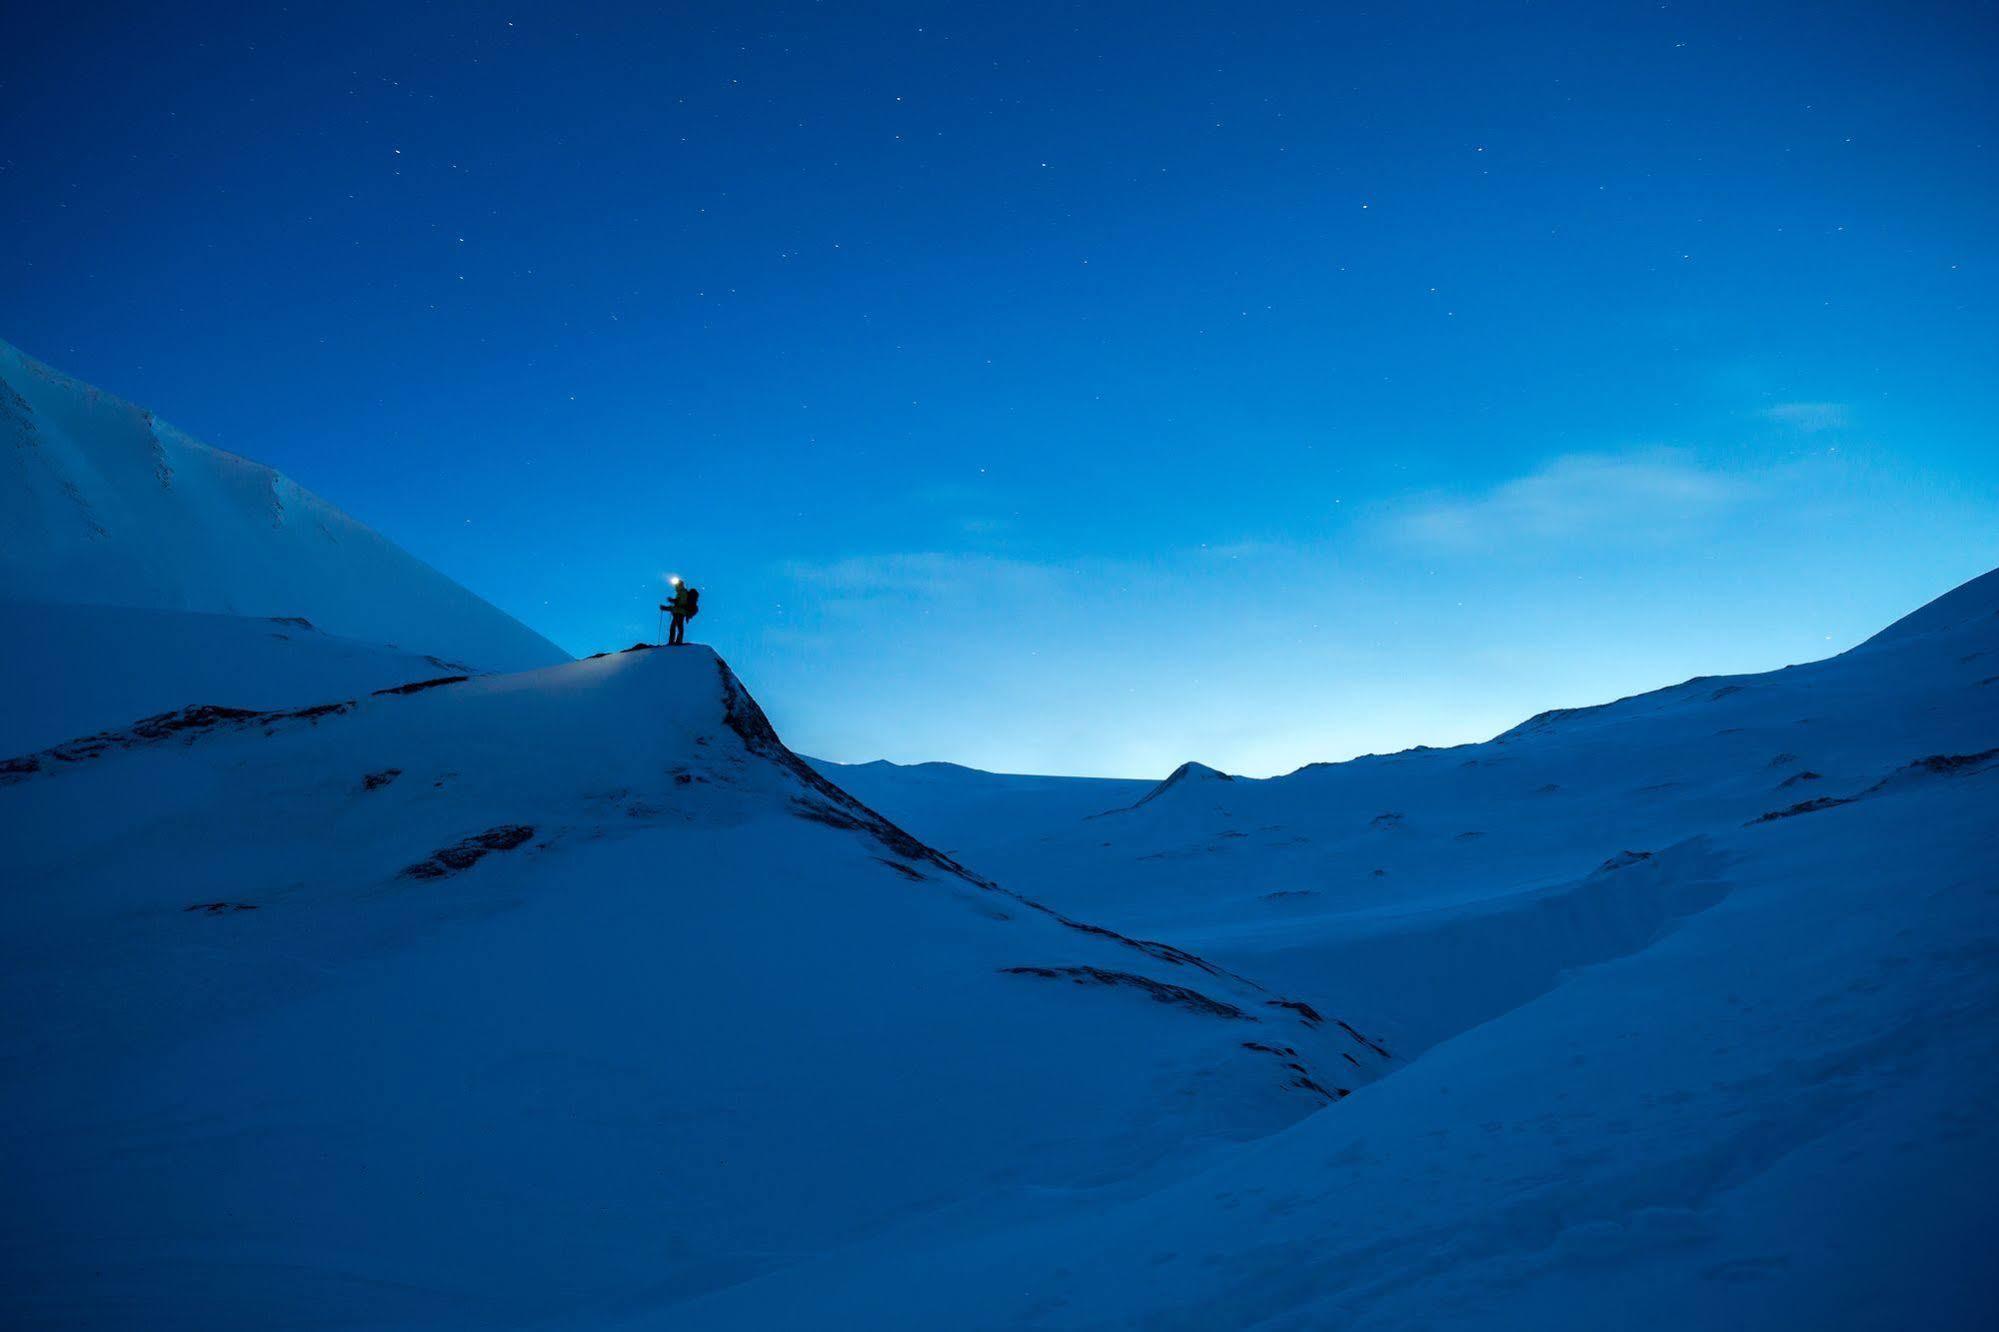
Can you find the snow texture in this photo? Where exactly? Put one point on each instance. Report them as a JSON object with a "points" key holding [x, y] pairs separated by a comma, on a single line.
{"points": [[500, 998], [79, 669], [350, 987], [102, 503]]}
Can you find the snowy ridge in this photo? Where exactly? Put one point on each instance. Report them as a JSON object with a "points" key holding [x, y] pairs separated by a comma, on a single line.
{"points": [[592, 931], [1693, 1000], [104, 504], [1959, 608]]}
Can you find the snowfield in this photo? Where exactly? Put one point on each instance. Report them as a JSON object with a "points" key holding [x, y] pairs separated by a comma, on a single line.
{"points": [[359, 986], [102, 503]]}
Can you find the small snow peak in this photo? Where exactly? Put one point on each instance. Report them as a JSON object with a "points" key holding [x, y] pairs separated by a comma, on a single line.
{"points": [[1185, 774]]}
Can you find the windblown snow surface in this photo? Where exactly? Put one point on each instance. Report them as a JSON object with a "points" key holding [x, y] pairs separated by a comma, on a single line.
{"points": [[74, 669], [102, 503], [571, 998], [1694, 998], [562, 997]]}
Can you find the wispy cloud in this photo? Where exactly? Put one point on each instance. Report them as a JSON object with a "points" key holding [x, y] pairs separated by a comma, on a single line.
{"points": [[924, 575], [1585, 496], [1810, 417]]}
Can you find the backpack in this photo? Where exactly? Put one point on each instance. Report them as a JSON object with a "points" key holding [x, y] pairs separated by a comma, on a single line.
{"points": [[693, 595]]}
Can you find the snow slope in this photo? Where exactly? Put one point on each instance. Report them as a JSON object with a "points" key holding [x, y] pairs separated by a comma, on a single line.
{"points": [[554, 996], [1695, 1003], [77, 668], [101, 503], [571, 998], [969, 812]]}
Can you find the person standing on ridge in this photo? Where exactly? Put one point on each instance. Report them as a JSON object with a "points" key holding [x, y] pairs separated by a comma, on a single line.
{"points": [[684, 606]]}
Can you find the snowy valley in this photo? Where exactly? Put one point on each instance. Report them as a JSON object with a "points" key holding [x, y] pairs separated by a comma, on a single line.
{"points": [[458, 984]]}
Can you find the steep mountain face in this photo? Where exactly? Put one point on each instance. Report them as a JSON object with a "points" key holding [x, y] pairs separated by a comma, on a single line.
{"points": [[1692, 997], [551, 996], [103, 504]]}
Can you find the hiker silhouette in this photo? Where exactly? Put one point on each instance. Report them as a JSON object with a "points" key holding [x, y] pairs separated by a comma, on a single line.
{"points": [[684, 606]]}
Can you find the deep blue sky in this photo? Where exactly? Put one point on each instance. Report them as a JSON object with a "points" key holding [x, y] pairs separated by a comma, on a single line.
{"points": [[1073, 388]]}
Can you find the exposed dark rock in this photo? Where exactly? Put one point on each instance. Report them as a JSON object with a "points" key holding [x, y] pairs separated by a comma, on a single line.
{"points": [[1164, 952], [1362, 1039], [184, 722], [827, 804], [900, 868], [375, 781], [1308, 1014], [1157, 991], [470, 852], [313, 714], [1937, 765], [296, 621], [170, 723], [1802, 807], [1622, 859], [418, 686], [1391, 820], [1798, 778], [1949, 764], [1304, 1081], [833, 806], [1301, 1076], [1934, 765], [1782, 759], [218, 908]]}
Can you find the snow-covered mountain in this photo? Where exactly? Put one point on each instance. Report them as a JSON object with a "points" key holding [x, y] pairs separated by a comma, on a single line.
{"points": [[553, 995], [102, 503], [351, 987], [966, 810], [1694, 999]]}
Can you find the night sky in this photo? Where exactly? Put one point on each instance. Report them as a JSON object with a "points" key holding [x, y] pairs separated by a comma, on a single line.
{"points": [[1075, 388]]}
